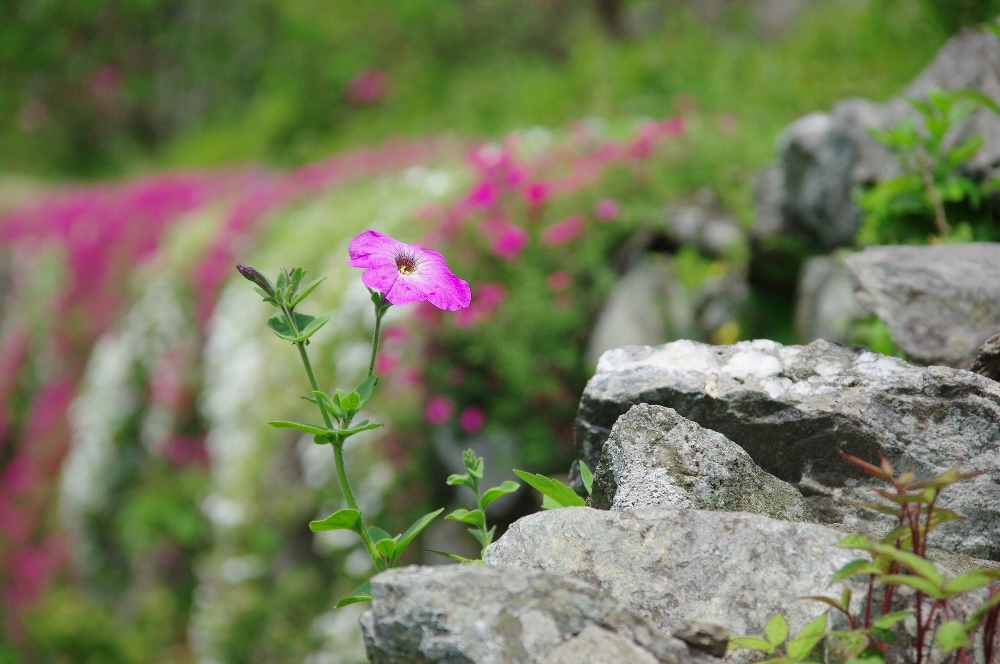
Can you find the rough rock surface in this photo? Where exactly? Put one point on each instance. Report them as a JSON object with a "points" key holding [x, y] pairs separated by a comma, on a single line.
{"points": [[988, 361], [940, 302], [825, 156], [476, 614], [825, 306], [791, 407], [671, 565], [656, 457]]}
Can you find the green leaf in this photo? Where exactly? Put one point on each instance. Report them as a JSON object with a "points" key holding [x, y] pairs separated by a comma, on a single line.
{"points": [[364, 389], [966, 582], [282, 278], [411, 533], [309, 288], [951, 636], [377, 534], [852, 568], [497, 491], [385, 547], [587, 477], [456, 558], [474, 517], [978, 97], [554, 489], [346, 433], [324, 401], [805, 641], [351, 402], [363, 593], [311, 328], [981, 612], [484, 539], [917, 564], [340, 520], [752, 643], [549, 504], [308, 428], [776, 630], [835, 603], [917, 582], [473, 464], [464, 480], [855, 541], [279, 326], [890, 619]]}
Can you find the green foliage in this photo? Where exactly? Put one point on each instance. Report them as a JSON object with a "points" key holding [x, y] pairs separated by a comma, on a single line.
{"points": [[932, 199], [477, 516], [196, 82], [898, 559], [555, 494]]}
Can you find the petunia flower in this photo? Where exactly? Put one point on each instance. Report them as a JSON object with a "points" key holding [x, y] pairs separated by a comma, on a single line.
{"points": [[407, 273]]}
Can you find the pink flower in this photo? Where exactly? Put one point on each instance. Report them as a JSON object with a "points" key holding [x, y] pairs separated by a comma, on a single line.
{"points": [[386, 363], [368, 87], [438, 410], [560, 281], [509, 242], [484, 195], [407, 273], [607, 209], [537, 193], [472, 419], [514, 177], [488, 298], [563, 231]]}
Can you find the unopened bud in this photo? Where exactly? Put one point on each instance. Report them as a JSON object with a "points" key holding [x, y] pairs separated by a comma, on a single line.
{"points": [[253, 275]]}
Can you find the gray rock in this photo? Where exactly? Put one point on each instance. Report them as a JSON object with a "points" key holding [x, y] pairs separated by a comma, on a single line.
{"points": [[988, 361], [648, 305], [713, 639], [672, 565], [825, 306], [482, 615], [824, 157], [656, 457], [940, 302], [791, 407], [706, 226]]}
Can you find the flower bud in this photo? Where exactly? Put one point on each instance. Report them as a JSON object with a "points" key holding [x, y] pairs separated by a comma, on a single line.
{"points": [[253, 275]]}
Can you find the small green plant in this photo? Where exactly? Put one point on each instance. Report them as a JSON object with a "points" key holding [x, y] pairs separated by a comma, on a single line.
{"points": [[396, 273], [555, 494], [935, 630], [476, 517], [916, 206]]}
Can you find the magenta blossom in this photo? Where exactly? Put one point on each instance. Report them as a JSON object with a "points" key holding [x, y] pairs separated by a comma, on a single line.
{"points": [[607, 210], [563, 231], [438, 410], [472, 420], [407, 273]]}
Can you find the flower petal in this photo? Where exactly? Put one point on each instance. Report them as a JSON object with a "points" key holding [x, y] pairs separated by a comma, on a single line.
{"points": [[371, 249], [432, 281], [382, 277]]}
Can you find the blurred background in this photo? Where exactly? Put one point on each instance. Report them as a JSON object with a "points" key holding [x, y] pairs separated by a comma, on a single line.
{"points": [[598, 171]]}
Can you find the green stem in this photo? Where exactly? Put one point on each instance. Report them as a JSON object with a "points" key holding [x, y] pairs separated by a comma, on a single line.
{"points": [[379, 312], [338, 452]]}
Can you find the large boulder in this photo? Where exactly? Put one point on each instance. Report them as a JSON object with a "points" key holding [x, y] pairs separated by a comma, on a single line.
{"points": [[473, 614], [940, 302], [824, 157], [792, 407], [671, 565], [656, 457]]}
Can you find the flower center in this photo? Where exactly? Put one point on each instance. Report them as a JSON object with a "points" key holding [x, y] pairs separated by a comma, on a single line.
{"points": [[406, 263]]}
